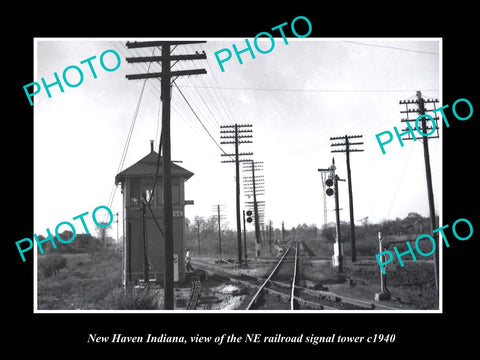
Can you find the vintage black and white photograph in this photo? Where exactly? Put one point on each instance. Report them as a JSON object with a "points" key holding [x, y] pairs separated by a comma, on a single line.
{"points": [[269, 174]]}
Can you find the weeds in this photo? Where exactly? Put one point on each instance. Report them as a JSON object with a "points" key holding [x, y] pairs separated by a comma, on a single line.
{"points": [[133, 299], [84, 282], [51, 264]]}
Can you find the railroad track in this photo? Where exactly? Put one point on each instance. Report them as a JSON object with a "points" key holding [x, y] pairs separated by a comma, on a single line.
{"points": [[282, 290], [285, 269]]}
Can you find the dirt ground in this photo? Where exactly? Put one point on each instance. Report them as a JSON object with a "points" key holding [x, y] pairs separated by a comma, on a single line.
{"points": [[411, 287]]}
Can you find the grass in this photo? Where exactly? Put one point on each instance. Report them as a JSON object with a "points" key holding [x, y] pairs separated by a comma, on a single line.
{"points": [[90, 281], [84, 283], [413, 285]]}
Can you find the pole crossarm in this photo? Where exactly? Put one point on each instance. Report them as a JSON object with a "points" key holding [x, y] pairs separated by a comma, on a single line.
{"points": [[436, 118], [166, 75], [142, 44], [420, 101], [235, 126], [416, 101], [236, 142], [239, 131], [233, 137], [345, 150], [171, 57], [258, 181], [346, 136], [422, 122], [239, 154], [232, 161]]}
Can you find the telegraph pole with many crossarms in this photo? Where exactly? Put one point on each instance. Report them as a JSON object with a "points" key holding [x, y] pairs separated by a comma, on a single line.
{"points": [[427, 132], [347, 150], [237, 134], [254, 186], [217, 210], [165, 77]]}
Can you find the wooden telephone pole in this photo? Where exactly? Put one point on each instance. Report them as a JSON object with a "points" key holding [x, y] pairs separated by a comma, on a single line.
{"points": [[165, 77], [254, 186], [347, 150], [198, 222], [429, 132], [233, 134], [218, 209]]}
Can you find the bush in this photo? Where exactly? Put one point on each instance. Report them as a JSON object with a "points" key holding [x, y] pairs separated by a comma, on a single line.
{"points": [[133, 299], [52, 263]]}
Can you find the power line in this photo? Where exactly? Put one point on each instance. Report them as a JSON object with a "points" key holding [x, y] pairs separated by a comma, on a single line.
{"points": [[208, 132], [309, 90], [393, 47], [400, 181], [347, 143], [165, 77], [203, 103], [143, 67], [127, 142]]}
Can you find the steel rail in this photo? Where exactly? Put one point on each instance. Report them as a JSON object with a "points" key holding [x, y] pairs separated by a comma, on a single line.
{"points": [[292, 296], [260, 289]]}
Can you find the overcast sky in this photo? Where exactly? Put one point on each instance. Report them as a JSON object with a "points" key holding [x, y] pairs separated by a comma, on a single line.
{"points": [[296, 97]]}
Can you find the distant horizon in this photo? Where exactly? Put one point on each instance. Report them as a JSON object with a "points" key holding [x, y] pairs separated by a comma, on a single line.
{"points": [[251, 228]]}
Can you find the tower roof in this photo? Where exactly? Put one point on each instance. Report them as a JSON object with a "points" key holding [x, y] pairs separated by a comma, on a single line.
{"points": [[148, 166]]}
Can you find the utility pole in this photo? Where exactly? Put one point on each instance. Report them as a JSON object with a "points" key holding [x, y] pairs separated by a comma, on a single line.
{"points": [[231, 134], [333, 180], [165, 77], [198, 222], [219, 231], [348, 150], [270, 235], [146, 278], [338, 241], [421, 110], [245, 238], [254, 186], [218, 209]]}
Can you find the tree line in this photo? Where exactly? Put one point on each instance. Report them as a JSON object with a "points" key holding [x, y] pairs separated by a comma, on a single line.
{"points": [[204, 230]]}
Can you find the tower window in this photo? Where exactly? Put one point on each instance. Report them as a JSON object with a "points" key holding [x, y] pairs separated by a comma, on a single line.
{"points": [[134, 191]]}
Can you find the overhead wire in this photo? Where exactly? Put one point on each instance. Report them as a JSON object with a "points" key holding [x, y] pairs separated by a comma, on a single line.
{"points": [[231, 102], [127, 142], [392, 47], [208, 132], [199, 101], [154, 88], [151, 67], [400, 180], [226, 111], [312, 90]]}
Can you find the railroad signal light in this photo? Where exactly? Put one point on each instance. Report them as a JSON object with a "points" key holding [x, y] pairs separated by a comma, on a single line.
{"points": [[249, 214], [329, 183]]}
